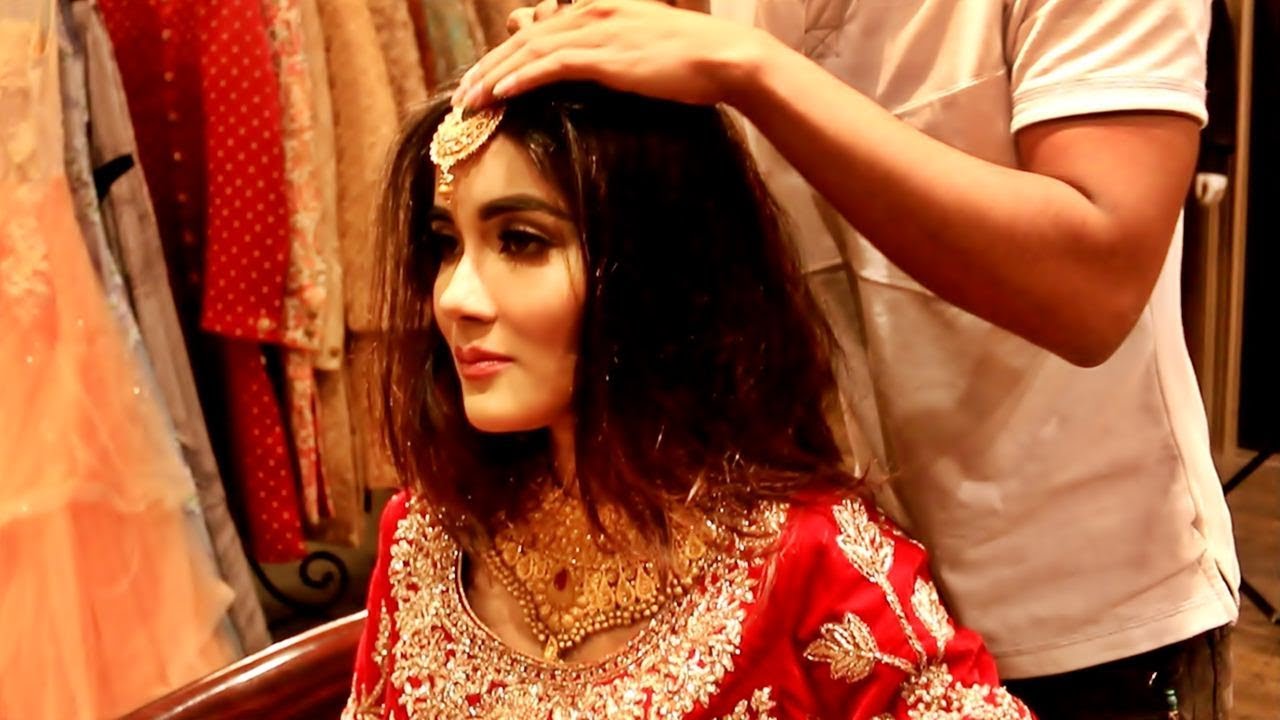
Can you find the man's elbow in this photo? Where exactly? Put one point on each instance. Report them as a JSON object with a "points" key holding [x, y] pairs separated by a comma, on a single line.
{"points": [[1098, 334], [1090, 354]]}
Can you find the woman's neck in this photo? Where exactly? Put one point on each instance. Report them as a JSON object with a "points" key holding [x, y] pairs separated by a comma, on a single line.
{"points": [[562, 450]]}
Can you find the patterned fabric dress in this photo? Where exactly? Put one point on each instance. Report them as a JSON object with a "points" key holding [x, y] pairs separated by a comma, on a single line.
{"points": [[106, 601], [833, 616]]}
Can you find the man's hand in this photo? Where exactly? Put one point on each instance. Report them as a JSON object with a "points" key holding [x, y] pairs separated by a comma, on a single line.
{"points": [[635, 46], [521, 18]]}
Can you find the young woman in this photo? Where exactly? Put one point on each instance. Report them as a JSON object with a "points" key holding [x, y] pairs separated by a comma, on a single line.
{"points": [[604, 383]]}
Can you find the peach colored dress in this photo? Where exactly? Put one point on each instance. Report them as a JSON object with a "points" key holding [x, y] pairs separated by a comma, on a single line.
{"points": [[105, 602]]}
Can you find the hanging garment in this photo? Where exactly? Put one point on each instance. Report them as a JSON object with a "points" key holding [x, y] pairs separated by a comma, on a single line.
{"points": [[130, 225], [75, 115], [333, 416], [203, 92], [364, 121], [332, 322], [493, 15], [400, 52], [306, 284], [449, 38], [105, 600]]}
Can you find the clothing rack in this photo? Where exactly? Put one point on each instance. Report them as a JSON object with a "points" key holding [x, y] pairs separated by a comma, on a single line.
{"points": [[323, 571], [336, 580]]}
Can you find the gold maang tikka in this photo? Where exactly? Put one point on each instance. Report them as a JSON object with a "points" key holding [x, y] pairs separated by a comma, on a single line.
{"points": [[459, 136]]}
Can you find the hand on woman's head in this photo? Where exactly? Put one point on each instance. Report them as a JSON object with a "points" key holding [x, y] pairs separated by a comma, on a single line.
{"points": [[521, 18], [639, 46]]}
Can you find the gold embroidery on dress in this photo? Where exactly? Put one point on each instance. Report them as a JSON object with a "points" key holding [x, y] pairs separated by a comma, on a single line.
{"points": [[871, 552], [928, 607], [445, 664], [369, 705], [850, 648], [935, 694], [931, 692], [759, 707]]}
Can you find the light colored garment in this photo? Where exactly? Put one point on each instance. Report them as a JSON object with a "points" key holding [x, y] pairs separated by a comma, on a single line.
{"points": [[75, 116], [331, 321], [130, 222], [364, 120], [333, 415], [400, 52], [338, 457], [492, 16], [306, 286], [364, 123], [1074, 515], [449, 37], [105, 601]]}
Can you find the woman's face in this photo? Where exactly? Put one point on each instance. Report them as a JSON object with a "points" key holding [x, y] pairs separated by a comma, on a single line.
{"points": [[508, 298]]}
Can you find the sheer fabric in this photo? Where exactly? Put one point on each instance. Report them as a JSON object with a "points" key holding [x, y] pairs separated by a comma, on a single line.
{"points": [[105, 601]]}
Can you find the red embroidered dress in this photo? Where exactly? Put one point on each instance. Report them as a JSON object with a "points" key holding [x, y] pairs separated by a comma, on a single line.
{"points": [[837, 618]]}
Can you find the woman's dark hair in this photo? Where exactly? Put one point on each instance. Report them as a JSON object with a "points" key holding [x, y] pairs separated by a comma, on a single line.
{"points": [[704, 363]]}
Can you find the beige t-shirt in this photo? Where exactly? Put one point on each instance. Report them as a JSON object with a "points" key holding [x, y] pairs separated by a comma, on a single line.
{"points": [[1074, 515]]}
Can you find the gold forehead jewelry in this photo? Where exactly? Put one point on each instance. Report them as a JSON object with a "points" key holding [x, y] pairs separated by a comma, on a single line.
{"points": [[458, 137]]}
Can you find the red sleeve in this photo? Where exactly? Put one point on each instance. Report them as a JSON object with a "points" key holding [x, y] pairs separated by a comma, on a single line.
{"points": [[369, 686], [874, 638]]}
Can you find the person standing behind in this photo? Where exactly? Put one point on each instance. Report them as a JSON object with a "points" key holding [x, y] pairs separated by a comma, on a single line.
{"points": [[1015, 171]]}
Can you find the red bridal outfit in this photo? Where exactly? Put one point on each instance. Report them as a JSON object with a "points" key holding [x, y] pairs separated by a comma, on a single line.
{"points": [[836, 618]]}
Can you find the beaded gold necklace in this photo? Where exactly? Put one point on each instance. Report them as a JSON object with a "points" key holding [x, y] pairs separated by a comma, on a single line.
{"points": [[571, 581]]}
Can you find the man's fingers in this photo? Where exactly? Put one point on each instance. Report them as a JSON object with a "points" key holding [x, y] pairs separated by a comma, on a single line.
{"points": [[546, 9], [500, 56], [567, 64], [546, 39], [519, 19]]}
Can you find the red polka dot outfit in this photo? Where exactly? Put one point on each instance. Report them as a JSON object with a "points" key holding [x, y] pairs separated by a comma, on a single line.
{"points": [[206, 104]]}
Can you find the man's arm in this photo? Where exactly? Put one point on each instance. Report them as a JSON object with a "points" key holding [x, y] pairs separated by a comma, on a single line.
{"points": [[1063, 251]]}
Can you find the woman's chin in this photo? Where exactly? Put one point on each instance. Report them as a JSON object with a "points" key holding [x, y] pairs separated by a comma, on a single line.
{"points": [[496, 424]]}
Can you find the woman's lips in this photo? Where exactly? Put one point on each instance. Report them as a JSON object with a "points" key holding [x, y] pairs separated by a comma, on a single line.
{"points": [[481, 369], [477, 363]]}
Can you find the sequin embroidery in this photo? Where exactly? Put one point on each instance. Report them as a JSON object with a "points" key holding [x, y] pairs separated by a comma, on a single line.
{"points": [[850, 648], [935, 694], [445, 664], [759, 707], [928, 607]]}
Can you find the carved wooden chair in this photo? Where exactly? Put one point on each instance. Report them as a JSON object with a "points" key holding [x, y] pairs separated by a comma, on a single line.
{"points": [[307, 677]]}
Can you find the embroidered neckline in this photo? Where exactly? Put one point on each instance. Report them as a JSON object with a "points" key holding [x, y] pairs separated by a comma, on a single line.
{"points": [[674, 664], [460, 604]]}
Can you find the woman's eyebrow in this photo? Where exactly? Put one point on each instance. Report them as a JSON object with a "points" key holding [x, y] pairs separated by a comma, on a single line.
{"points": [[520, 203]]}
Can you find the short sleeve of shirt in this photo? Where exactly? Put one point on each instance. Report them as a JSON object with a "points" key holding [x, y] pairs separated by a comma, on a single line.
{"points": [[1076, 57]]}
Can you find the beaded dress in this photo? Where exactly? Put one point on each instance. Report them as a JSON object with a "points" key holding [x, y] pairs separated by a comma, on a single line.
{"points": [[831, 613]]}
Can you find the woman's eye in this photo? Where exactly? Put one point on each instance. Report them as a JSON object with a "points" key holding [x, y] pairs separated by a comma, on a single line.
{"points": [[523, 243], [444, 244]]}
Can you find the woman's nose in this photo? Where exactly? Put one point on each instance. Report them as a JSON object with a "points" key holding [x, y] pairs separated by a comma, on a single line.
{"points": [[462, 292]]}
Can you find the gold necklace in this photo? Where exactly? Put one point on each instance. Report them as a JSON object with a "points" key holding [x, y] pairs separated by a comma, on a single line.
{"points": [[570, 581]]}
